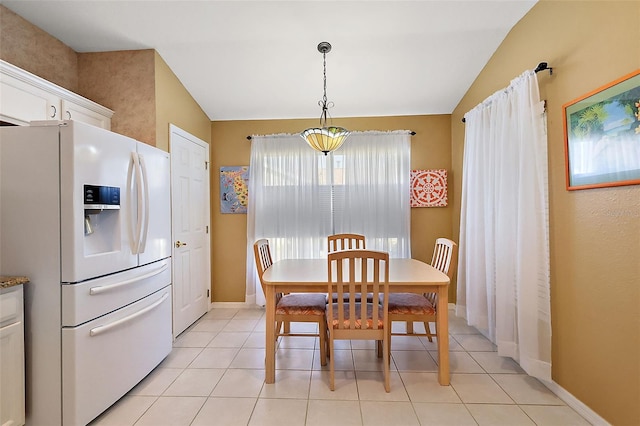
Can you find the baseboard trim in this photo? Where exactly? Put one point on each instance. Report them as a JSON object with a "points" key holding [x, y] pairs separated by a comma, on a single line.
{"points": [[579, 406], [573, 402], [234, 305]]}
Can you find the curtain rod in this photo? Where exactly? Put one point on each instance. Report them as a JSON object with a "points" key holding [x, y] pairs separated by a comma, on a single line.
{"points": [[412, 133], [542, 66]]}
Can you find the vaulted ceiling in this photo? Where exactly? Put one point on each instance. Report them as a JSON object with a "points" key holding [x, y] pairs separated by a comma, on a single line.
{"points": [[244, 60]]}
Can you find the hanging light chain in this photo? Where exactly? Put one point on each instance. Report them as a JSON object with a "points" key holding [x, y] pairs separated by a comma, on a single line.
{"points": [[323, 116]]}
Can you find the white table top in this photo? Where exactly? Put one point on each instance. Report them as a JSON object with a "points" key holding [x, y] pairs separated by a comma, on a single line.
{"points": [[314, 272]]}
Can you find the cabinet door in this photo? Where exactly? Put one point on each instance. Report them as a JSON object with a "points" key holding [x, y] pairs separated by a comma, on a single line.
{"points": [[12, 373], [21, 102], [73, 111]]}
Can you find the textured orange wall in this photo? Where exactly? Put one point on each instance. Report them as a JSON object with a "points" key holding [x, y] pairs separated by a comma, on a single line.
{"points": [[430, 149], [123, 81], [595, 233]]}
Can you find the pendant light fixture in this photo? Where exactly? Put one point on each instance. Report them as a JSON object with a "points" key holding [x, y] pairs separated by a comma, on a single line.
{"points": [[325, 138]]}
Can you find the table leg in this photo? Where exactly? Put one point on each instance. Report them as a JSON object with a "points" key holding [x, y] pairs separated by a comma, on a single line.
{"points": [[270, 344], [443, 335]]}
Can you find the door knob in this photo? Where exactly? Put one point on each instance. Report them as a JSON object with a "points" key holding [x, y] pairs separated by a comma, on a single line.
{"points": [[180, 244]]}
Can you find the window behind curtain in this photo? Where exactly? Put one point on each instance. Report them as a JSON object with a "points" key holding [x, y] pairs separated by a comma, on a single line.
{"points": [[298, 196], [373, 199]]}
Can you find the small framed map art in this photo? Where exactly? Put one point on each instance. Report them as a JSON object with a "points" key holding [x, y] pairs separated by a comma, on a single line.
{"points": [[429, 188], [234, 193]]}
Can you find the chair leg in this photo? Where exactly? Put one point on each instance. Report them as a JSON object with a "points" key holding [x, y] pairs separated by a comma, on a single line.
{"points": [[386, 362], [327, 345], [322, 331], [332, 384], [428, 330], [409, 327], [388, 343], [287, 327]]}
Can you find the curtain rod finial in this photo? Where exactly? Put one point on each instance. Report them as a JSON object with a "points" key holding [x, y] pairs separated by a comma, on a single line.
{"points": [[543, 66]]}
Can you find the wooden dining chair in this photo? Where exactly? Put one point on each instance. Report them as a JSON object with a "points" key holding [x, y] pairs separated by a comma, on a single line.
{"points": [[337, 242], [298, 307], [410, 307], [359, 271]]}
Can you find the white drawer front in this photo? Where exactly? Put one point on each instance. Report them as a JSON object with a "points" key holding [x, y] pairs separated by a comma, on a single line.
{"points": [[104, 358], [87, 300]]}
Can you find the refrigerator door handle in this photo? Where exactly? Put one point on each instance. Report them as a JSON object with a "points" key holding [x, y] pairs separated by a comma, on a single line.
{"points": [[129, 220], [103, 288], [145, 182], [141, 205], [96, 331]]}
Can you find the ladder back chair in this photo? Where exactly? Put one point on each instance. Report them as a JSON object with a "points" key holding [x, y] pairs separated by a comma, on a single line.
{"points": [[410, 307], [352, 272], [338, 242], [308, 307]]}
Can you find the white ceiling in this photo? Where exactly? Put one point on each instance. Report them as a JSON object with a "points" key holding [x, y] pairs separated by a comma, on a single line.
{"points": [[243, 60]]}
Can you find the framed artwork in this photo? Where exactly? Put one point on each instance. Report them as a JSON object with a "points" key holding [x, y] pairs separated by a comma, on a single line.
{"points": [[429, 188], [602, 135], [234, 193]]}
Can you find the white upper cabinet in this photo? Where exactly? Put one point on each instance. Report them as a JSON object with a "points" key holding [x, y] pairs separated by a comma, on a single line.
{"points": [[25, 97], [79, 112]]}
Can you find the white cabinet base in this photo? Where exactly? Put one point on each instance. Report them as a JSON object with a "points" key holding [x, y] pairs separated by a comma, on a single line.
{"points": [[12, 355]]}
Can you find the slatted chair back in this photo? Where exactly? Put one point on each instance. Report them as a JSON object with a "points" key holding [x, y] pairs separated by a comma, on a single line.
{"points": [[355, 272], [444, 256], [444, 259], [262, 255], [337, 242]]}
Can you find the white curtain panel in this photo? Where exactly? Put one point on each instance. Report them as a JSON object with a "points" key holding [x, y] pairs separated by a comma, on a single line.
{"points": [[284, 203], [377, 187], [503, 268], [294, 189]]}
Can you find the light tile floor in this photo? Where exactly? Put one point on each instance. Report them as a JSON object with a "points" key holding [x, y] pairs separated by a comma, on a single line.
{"points": [[215, 376]]}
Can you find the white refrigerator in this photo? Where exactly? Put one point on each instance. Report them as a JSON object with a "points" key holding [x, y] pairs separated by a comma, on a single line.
{"points": [[85, 215]]}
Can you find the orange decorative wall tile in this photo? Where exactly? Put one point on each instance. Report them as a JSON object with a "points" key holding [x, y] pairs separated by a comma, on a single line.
{"points": [[429, 188]]}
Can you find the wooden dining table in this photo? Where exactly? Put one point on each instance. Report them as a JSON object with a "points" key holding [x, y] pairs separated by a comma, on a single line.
{"points": [[311, 276]]}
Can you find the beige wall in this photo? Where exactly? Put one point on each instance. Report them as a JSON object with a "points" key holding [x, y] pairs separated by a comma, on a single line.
{"points": [[175, 106], [430, 148], [28, 47], [125, 82], [595, 234]]}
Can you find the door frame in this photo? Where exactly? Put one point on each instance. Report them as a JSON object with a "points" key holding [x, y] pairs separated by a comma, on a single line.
{"points": [[175, 130]]}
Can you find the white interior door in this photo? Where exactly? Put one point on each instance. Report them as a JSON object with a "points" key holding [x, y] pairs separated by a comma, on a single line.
{"points": [[190, 223]]}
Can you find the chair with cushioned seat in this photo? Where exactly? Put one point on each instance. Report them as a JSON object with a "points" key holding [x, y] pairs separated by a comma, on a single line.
{"points": [[298, 307], [410, 307], [352, 272]]}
